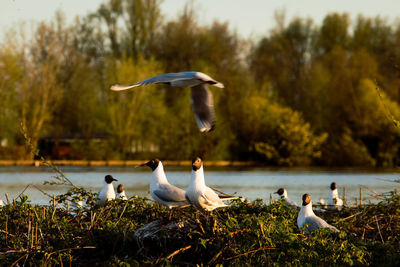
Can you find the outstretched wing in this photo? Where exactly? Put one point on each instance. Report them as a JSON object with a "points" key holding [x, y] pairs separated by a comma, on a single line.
{"points": [[203, 107], [162, 78]]}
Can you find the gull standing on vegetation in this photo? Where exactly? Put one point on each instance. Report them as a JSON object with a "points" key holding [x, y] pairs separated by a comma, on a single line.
{"points": [[308, 219], [283, 194], [107, 192], [334, 201], [161, 190], [201, 97], [198, 194], [121, 192]]}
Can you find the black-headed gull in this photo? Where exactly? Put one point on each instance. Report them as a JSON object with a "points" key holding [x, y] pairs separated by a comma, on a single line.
{"points": [[161, 190], [334, 201], [198, 194], [201, 97], [308, 220], [107, 192], [121, 192], [283, 194]]}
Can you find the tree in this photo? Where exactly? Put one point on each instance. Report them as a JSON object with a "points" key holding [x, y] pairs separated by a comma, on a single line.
{"points": [[282, 59], [132, 115], [11, 74], [142, 21], [333, 33]]}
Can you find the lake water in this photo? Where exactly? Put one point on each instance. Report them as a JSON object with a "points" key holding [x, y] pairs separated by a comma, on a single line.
{"points": [[251, 183]]}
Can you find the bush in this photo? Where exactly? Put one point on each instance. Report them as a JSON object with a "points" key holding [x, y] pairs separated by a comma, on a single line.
{"points": [[248, 233], [279, 135]]}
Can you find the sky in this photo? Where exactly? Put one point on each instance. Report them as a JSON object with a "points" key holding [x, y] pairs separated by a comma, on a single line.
{"points": [[250, 18]]}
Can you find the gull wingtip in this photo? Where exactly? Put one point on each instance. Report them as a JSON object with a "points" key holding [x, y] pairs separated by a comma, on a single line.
{"points": [[115, 87], [120, 87], [219, 85]]}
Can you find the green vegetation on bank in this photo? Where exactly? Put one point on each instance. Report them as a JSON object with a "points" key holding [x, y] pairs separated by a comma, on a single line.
{"points": [[304, 94], [251, 234]]}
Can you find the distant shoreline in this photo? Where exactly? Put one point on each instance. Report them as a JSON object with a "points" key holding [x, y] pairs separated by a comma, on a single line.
{"points": [[38, 163]]}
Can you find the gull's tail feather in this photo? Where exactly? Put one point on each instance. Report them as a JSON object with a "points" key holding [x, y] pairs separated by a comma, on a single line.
{"points": [[224, 196]]}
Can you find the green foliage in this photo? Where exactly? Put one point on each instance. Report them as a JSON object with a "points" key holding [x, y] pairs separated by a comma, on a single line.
{"points": [[333, 32], [242, 234], [133, 114], [279, 134]]}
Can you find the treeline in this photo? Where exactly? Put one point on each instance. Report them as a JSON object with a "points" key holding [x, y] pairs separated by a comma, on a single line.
{"points": [[305, 94]]}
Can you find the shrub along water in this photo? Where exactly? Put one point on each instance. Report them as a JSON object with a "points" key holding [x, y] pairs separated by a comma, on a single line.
{"points": [[245, 233]]}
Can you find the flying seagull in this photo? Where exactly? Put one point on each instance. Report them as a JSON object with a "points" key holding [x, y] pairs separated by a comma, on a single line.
{"points": [[107, 192], [334, 202], [308, 219], [283, 194], [201, 97], [198, 194], [161, 190]]}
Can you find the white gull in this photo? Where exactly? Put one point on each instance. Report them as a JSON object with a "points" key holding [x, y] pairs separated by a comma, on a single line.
{"points": [[283, 194], [107, 192], [121, 192], [198, 194], [308, 220], [161, 190], [201, 97], [334, 201]]}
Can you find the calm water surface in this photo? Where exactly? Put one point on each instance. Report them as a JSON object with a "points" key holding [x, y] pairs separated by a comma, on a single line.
{"points": [[251, 183]]}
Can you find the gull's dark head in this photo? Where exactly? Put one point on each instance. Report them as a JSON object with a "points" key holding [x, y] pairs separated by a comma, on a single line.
{"points": [[120, 188], [306, 199], [153, 164], [196, 163], [280, 191], [333, 186], [109, 179]]}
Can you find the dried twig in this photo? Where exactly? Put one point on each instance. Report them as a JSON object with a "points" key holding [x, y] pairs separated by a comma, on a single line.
{"points": [[261, 229], [351, 216], [211, 262], [26, 187], [379, 229], [178, 251], [249, 252], [122, 213], [8, 201], [20, 258], [7, 233], [23, 191], [238, 232], [66, 249]]}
